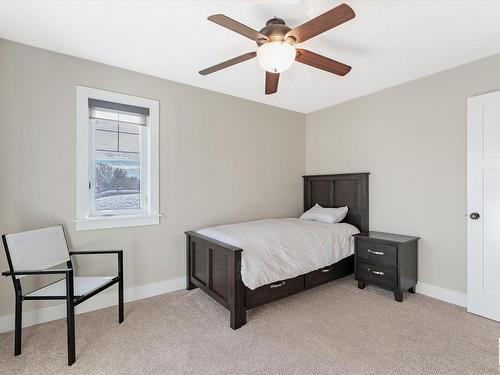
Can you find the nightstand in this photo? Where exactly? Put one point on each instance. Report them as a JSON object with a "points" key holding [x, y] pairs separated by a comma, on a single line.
{"points": [[386, 260]]}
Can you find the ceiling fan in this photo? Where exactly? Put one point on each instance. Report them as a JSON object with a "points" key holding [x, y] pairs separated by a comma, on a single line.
{"points": [[276, 50]]}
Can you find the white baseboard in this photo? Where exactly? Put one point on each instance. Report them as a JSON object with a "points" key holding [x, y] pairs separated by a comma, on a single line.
{"points": [[99, 301], [110, 298], [446, 295]]}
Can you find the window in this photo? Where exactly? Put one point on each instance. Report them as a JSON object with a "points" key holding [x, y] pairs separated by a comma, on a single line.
{"points": [[117, 160]]}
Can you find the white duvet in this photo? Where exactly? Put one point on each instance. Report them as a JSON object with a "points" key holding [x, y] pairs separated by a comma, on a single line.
{"points": [[278, 249]]}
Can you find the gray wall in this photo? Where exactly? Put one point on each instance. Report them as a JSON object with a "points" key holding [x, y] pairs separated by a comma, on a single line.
{"points": [[222, 159], [412, 138]]}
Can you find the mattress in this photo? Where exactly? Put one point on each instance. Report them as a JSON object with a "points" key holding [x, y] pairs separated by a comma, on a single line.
{"points": [[279, 249]]}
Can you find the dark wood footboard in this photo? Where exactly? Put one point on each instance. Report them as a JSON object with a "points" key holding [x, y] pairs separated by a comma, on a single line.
{"points": [[215, 267]]}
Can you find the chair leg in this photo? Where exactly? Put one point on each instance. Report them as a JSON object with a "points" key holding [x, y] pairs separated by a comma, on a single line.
{"points": [[120, 300], [120, 287], [70, 322], [70, 318], [18, 326]]}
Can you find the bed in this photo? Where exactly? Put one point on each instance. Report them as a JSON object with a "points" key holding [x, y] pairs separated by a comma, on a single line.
{"points": [[215, 256]]}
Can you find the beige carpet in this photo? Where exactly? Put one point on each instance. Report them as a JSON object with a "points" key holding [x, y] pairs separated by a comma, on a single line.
{"points": [[332, 329]]}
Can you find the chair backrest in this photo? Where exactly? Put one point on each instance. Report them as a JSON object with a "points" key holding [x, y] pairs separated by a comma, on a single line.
{"points": [[37, 249]]}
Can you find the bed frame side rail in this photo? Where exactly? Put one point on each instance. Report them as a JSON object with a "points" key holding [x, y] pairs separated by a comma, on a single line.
{"points": [[215, 267]]}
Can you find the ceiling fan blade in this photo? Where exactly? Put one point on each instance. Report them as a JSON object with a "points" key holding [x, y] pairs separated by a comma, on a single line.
{"points": [[237, 27], [322, 23], [228, 63], [272, 82], [321, 62]]}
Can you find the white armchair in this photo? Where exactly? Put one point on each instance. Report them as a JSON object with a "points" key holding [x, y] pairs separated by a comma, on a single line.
{"points": [[34, 253]]}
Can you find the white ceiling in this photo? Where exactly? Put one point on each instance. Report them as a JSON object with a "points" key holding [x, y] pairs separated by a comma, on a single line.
{"points": [[389, 42]]}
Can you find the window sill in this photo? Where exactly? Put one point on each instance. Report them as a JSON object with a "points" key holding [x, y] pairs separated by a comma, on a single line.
{"points": [[106, 222]]}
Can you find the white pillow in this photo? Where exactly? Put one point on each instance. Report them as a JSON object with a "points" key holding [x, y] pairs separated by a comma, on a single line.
{"points": [[325, 215]]}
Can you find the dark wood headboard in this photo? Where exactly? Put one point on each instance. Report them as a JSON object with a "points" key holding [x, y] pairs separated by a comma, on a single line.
{"points": [[338, 190]]}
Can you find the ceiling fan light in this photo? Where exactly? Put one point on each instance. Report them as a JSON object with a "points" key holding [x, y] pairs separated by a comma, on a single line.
{"points": [[276, 57]]}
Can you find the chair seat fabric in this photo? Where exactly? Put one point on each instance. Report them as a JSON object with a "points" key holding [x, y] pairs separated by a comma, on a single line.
{"points": [[81, 285]]}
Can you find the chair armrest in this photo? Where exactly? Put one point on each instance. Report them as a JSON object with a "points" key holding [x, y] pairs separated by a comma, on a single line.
{"points": [[117, 252], [95, 252], [38, 272]]}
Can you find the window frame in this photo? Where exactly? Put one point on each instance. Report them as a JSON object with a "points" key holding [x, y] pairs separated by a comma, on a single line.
{"points": [[149, 161]]}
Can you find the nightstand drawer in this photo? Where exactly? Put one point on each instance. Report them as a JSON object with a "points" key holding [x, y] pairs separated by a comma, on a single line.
{"points": [[372, 252], [382, 275]]}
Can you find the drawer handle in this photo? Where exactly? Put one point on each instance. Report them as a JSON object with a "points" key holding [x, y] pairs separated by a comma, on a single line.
{"points": [[375, 252], [325, 270], [277, 285], [380, 273]]}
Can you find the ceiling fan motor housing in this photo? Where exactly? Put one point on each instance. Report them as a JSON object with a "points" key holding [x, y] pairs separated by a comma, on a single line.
{"points": [[275, 30]]}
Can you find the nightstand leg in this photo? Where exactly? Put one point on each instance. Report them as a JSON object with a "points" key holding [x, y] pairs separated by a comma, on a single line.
{"points": [[412, 290], [361, 284], [398, 295]]}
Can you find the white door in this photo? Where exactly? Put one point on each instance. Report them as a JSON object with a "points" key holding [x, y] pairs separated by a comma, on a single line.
{"points": [[483, 204]]}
